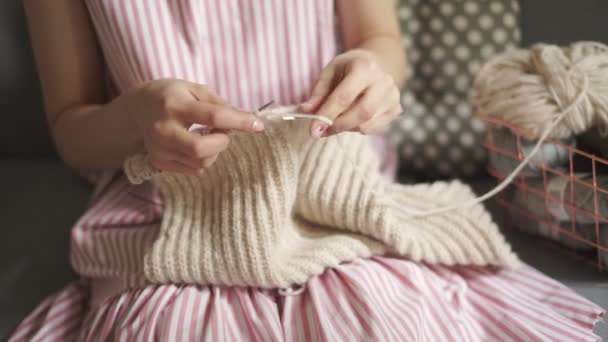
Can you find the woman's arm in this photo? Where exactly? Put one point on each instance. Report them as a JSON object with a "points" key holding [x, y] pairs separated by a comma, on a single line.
{"points": [[373, 26], [87, 134], [92, 135]]}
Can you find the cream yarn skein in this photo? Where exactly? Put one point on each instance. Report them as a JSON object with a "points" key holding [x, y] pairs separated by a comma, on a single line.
{"points": [[531, 88]]}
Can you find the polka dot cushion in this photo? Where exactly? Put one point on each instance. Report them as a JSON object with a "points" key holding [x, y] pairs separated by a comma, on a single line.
{"points": [[447, 41]]}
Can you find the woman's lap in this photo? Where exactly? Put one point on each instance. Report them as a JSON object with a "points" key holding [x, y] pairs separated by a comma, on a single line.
{"points": [[374, 299]]}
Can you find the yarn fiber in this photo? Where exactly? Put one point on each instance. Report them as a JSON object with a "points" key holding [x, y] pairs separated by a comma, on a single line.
{"points": [[530, 88], [279, 207]]}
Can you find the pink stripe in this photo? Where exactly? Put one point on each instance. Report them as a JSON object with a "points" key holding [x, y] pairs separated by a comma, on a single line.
{"points": [[143, 73], [350, 302], [162, 26], [310, 323], [400, 301], [502, 283], [416, 273], [239, 311], [327, 312], [200, 317], [231, 54], [482, 306], [185, 56], [112, 18], [337, 306], [392, 304], [294, 50], [245, 64], [180, 324], [275, 50], [308, 42], [536, 319], [129, 41], [255, 64], [59, 326], [565, 298], [269, 314], [105, 39], [370, 287], [220, 77], [584, 316]]}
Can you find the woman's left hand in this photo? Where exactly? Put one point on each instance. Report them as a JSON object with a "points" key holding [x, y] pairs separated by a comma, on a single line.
{"points": [[356, 94]]}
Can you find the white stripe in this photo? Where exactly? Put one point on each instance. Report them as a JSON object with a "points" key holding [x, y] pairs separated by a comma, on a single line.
{"points": [[497, 316], [547, 330], [331, 311], [204, 33], [175, 316], [244, 67], [293, 48], [261, 69], [155, 22], [172, 39], [274, 49], [390, 304], [190, 294], [147, 37], [203, 297], [364, 281], [127, 39]]}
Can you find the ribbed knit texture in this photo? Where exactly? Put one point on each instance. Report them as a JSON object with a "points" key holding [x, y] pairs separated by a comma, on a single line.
{"points": [[279, 207]]}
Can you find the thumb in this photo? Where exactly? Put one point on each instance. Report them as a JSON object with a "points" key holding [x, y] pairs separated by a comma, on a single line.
{"points": [[320, 91]]}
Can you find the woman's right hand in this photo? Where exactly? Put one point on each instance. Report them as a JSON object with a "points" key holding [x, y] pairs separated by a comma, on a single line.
{"points": [[163, 111]]}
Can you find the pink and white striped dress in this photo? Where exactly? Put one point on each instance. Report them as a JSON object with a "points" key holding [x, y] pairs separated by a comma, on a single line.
{"points": [[252, 52]]}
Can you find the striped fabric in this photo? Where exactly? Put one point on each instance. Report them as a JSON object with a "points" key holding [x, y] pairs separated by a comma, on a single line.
{"points": [[373, 300], [251, 52]]}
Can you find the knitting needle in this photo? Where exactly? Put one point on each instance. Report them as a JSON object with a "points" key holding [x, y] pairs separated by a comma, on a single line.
{"points": [[265, 106]]}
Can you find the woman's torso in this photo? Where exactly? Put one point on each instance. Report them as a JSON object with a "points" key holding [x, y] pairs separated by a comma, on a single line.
{"points": [[249, 52]]}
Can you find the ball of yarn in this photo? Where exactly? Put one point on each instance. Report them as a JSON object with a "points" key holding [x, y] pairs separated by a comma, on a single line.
{"points": [[530, 88]]}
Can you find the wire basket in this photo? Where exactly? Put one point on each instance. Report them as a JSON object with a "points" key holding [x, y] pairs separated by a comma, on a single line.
{"points": [[562, 195]]}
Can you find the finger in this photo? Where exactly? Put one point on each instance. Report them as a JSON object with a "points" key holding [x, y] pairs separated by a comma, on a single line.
{"points": [[381, 122], [320, 90], [173, 153], [192, 144], [203, 93], [220, 116], [344, 95], [371, 103]]}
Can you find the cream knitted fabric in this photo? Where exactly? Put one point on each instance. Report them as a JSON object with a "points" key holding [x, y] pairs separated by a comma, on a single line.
{"points": [[279, 207]]}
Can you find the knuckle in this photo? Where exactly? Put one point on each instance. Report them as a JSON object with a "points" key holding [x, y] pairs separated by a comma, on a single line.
{"points": [[198, 149], [363, 64], [367, 111], [365, 130], [214, 116], [344, 98], [166, 103], [159, 130]]}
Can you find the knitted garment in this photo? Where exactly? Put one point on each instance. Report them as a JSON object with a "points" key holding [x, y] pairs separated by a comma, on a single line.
{"points": [[279, 207]]}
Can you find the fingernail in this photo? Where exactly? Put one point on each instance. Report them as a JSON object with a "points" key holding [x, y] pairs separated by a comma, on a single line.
{"points": [[258, 126], [318, 130], [330, 131]]}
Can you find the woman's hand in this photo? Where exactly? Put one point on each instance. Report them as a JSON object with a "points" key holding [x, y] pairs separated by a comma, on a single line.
{"points": [[164, 110], [355, 93]]}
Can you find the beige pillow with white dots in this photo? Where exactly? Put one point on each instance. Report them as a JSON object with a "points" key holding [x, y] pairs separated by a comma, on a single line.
{"points": [[447, 41]]}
